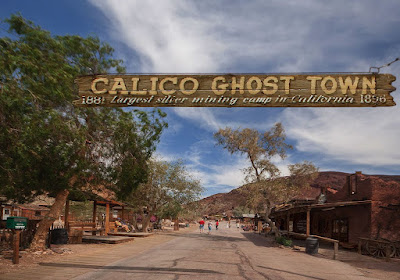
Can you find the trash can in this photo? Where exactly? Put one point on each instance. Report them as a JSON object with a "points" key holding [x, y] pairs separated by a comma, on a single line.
{"points": [[59, 236], [312, 245]]}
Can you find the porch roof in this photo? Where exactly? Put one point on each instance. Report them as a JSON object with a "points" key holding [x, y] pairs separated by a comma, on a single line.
{"points": [[91, 196], [304, 208]]}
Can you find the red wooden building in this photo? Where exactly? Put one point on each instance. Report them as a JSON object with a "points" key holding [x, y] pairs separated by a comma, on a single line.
{"points": [[366, 206]]}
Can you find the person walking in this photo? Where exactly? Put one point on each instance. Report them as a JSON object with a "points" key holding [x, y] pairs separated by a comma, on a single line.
{"points": [[237, 224], [216, 224], [201, 225], [209, 227]]}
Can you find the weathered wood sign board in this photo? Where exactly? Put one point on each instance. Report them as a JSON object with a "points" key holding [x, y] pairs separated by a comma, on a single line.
{"points": [[236, 90]]}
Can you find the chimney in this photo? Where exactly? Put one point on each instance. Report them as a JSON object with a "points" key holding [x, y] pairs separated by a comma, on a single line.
{"points": [[352, 182]]}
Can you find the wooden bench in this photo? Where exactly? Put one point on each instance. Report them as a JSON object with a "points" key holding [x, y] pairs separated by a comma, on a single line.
{"points": [[76, 230]]}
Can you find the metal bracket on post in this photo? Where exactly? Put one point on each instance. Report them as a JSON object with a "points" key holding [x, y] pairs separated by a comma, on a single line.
{"points": [[379, 68]]}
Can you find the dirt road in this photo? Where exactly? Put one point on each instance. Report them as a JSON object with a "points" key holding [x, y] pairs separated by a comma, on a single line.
{"points": [[223, 254]]}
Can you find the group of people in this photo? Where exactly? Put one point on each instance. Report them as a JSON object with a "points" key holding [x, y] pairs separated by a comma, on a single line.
{"points": [[210, 225], [123, 225], [228, 225]]}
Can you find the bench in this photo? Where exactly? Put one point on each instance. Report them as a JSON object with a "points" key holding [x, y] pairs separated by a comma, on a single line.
{"points": [[76, 230]]}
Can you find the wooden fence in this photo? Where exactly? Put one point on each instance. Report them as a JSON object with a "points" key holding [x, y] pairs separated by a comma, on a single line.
{"points": [[7, 237], [326, 239]]}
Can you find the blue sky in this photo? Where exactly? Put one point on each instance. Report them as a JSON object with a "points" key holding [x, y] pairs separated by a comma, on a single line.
{"points": [[257, 36]]}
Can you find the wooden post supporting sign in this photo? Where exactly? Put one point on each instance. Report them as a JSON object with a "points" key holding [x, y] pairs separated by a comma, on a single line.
{"points": [[16, 241]]}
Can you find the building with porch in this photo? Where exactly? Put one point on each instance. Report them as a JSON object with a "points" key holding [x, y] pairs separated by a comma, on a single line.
{"points": [[33, 211], [366, 206]]}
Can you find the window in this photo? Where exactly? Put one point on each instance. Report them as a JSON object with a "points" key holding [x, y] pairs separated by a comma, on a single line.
{"points": [[6, 211], [340, 229]]}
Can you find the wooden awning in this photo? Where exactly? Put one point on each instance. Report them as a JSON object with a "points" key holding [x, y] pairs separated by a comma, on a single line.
{"points": [[90, 196], [304, 208]]}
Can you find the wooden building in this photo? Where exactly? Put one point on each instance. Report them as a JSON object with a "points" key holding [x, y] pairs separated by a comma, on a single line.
{"points": [[32, 211], [366, 206]]}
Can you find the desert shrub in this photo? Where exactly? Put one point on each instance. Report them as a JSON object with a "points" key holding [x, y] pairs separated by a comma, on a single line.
{"points": [[284, 241]]}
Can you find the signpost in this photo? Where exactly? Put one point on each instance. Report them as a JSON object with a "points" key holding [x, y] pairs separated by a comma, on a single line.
{"points": [[236, 90], [17, 224]]}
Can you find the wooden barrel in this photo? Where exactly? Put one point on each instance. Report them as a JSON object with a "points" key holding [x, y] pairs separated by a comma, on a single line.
{"points": [[59, 236], [312, 245]]}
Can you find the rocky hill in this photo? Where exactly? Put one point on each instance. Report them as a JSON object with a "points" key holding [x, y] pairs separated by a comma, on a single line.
{"points": [[225, 202]]}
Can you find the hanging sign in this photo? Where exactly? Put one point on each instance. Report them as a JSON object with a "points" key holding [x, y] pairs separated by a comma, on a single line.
{"points": [[236, 90]]}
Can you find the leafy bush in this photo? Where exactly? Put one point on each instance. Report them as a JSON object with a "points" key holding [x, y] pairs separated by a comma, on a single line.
{"points": [[284, 241]]}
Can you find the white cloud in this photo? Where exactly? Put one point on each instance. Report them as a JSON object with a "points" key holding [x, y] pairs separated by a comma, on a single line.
{"points": [[269, 36], [208, 36], [170, 36], [229, 174], [212, 119], [204, 117], [360, 136], [164, 156], [357, 136]]}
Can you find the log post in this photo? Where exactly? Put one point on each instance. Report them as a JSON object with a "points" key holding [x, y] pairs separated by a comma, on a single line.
{"points": [[287, 221], [335, 250], [107, 222], [66, 214], [16, 241], [308, 222], [176, 224], [94, 215]]}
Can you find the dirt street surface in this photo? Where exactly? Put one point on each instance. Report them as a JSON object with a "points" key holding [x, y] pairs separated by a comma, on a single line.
{"points": [[223, 254]]}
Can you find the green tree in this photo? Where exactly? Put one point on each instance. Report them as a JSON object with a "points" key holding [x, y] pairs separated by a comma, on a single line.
{"points": [[168, 191], [48, 146], [240, 210], [265, 184]]}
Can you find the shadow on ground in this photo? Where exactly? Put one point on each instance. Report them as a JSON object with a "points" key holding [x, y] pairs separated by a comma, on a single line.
{"points": [[260, 240], [351, 257], [256, 239], [130, 268], [292, 273], [209, 236]]}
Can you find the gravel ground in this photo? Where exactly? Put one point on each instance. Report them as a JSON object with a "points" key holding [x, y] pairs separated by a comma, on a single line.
{"points": [[56, 253]]}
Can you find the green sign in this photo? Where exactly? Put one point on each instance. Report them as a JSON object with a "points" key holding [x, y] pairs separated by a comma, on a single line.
{"points": [[17, 222]]}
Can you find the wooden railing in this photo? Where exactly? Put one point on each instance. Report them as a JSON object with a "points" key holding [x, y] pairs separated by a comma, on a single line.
{"points": [[323, 238]]}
